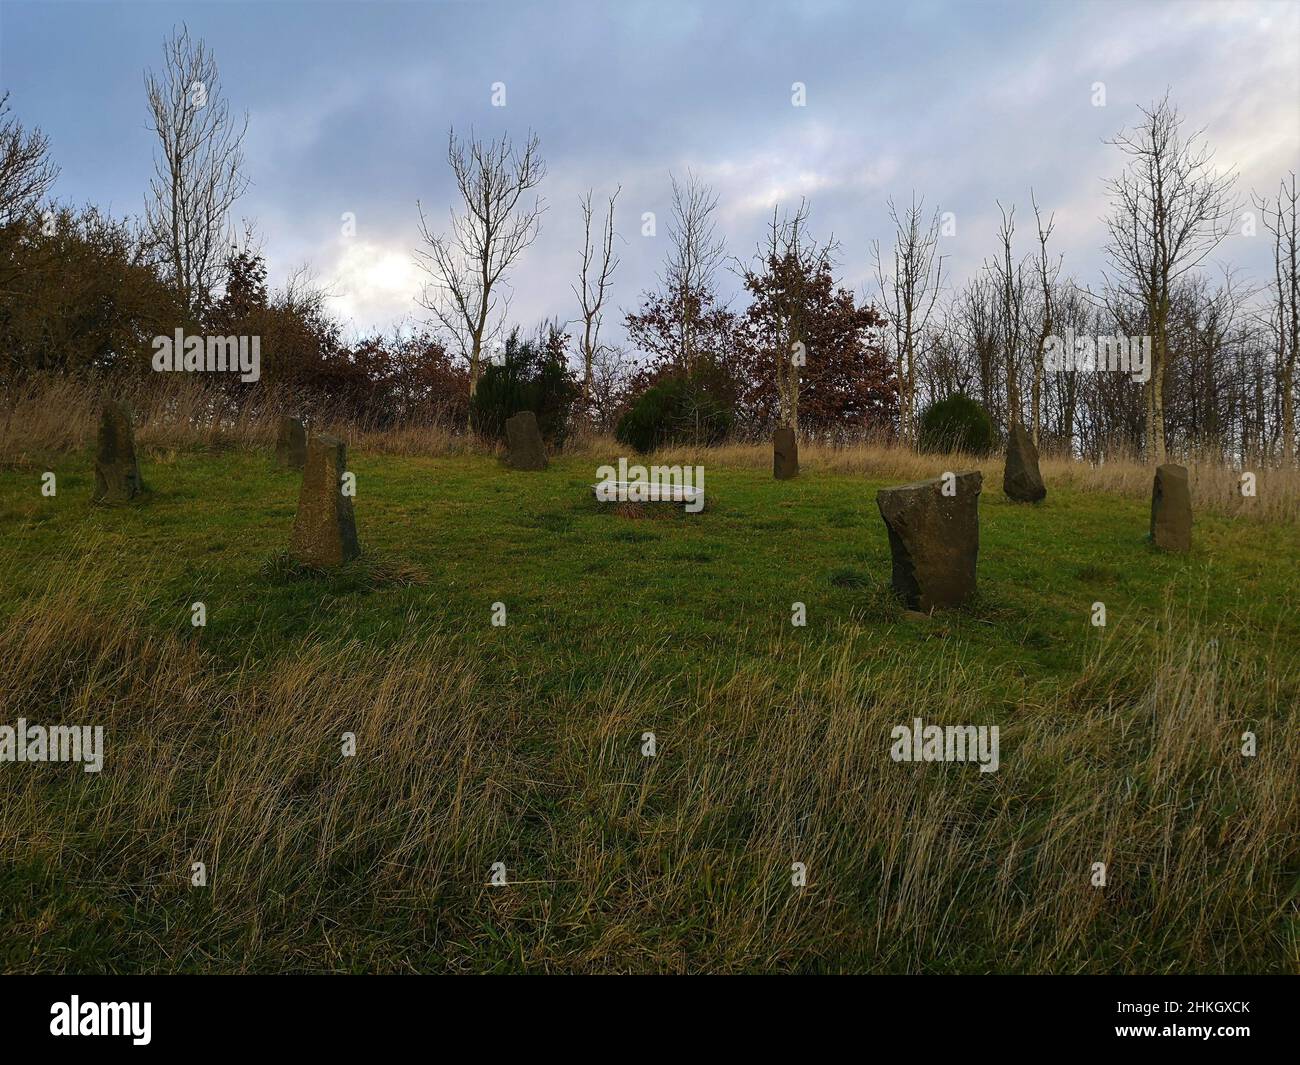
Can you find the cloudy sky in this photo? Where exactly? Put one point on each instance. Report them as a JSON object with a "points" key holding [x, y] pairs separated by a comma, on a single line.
{"points": [[966, 103]]}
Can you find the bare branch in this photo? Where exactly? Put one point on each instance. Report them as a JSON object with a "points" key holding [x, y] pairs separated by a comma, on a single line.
{"points": [[467, 264], [197, 170]]}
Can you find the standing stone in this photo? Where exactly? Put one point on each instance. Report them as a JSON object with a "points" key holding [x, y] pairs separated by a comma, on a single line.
{"points": [[117, 475], [785, 454], [324, 531], [1171, 509], [524, 447], [934, 539], [291, 444], [1021, 479]]}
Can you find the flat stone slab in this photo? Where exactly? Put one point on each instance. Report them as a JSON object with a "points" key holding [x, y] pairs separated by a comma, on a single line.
{"points": [[646, 492], [324, 529], [1021, 479], [1171, 509], [291, 444], [117, 474], [785, 454], [524, 447], [934, 539]]}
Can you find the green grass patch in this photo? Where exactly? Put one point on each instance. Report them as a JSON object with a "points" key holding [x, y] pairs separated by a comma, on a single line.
{"points": [[522, 742]]}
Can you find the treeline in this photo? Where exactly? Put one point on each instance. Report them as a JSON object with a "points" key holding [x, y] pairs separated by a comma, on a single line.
{"points": [[83, 294]]}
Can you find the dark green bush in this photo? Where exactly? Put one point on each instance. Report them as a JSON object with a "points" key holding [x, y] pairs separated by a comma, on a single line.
{"points": [[957, 423], [676, 410], [532, 375]]}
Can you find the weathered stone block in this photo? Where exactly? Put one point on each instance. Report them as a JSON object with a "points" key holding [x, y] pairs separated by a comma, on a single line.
{"points": [[934, 539], [785, 454], [1171, 509], [117, 474], [291, 444], [324, 530], [524, 447], [1020, 478]]}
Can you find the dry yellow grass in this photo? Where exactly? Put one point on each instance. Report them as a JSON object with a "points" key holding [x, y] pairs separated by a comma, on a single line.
{"points": [[621, 863], [53, 415], [1215, 487]]}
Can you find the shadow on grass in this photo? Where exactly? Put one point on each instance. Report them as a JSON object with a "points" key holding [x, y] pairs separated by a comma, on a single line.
{"points": [[364, 574]]}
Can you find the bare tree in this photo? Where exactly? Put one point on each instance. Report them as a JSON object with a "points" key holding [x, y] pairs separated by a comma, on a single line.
{"points": [[947, 368], [467, 265], [1169, 210], [695, 252], [909, 293], [1069, 312], [26, 172], [197, 171], [975, 320], [1280, 221], [1047, 273], [598, 266], [611, 368], [1009, 283]]}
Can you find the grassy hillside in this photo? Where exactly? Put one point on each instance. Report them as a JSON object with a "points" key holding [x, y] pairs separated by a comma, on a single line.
{"points": [[522, 743]]}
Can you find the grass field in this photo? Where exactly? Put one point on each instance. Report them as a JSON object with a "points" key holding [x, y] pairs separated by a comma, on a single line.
{"points": [[522, 743]]}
